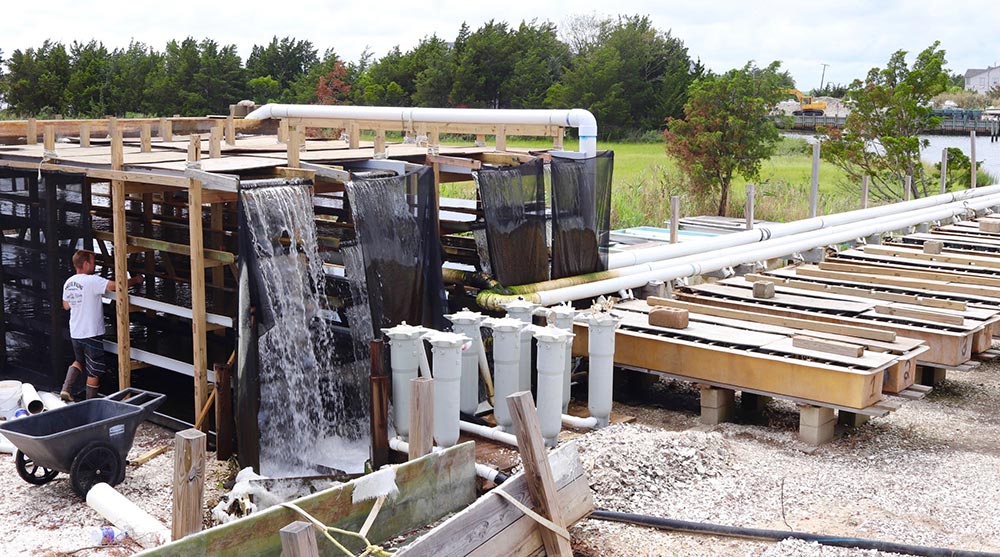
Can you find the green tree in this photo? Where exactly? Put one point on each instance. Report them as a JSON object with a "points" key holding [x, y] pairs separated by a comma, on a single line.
{"points": [[889, 108], [538, 64], [304, 89], [171, 85], [129, 73], [219, 80], [88, 90], [727, 128], [263, 89], [37, 79], [286, 60], [483, 64]]}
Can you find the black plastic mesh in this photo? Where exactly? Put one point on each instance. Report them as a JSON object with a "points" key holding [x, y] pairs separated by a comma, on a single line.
{"points": [[397, 227], [581, 214], [514, 205]]}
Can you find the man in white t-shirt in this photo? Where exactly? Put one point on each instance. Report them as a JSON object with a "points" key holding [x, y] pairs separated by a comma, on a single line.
{"points": [[82, 297]]}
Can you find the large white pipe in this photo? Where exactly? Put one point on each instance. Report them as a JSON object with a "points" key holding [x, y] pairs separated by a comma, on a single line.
{"points": [[51, 400], [127, 516], [523, 310], [578, 422], [690, 266], [601, 347], [578, 118], [551, 357], [467, 323], [561, 316], [506, 365], [405, 348], [30, 400], [447, 368], [760, 234], [488, 432], [482, 470]]}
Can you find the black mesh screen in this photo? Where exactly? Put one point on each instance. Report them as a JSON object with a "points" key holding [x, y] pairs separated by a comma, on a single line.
{"points": [[581, 214]]}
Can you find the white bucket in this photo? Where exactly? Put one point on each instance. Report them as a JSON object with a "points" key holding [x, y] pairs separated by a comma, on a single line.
{"points": [[10, 396]]}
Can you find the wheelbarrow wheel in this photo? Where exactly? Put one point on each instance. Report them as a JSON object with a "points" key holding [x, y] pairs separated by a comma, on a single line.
{"points": [[31, 472], [98, 462]]}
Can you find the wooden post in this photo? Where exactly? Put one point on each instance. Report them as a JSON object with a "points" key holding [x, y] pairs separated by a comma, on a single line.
{"points": [[215, 143], [194, 148], [814, 189], [537, 471], [198, 325], [379, 144], [557, 140], [230, 130], [31, 134], [298, 540], [972, 157], [421, 417], [166, 129], [224, 425], [944, 170], [749, 209], [218, 241], [49, 138], [434, 140], [85, 134], [501, 138], [864, 191], [292, 147], [481, 140], [146, 135], [354, 135], [380, 387], [121, 261], [675, 215], [282, 131], [189, 482]]}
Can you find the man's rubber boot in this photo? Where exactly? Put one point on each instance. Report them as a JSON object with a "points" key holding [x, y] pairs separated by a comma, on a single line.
{"points": [[92, 392], [67, 389]]}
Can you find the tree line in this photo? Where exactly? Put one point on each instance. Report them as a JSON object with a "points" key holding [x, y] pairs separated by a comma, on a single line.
{"points": [[630, 74]]}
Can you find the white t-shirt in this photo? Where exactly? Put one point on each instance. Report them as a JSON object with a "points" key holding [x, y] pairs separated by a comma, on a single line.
{"points": [[83, 293]]}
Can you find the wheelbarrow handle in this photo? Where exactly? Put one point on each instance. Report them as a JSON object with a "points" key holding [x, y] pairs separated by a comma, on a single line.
{"points": [[147, 400]]}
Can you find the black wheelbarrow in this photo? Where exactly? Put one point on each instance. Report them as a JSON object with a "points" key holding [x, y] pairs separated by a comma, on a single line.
{"points": [[87, 440]]}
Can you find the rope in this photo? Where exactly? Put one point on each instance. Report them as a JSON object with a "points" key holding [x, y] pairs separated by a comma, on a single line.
{"points": [[370, 548], [559, 530]]}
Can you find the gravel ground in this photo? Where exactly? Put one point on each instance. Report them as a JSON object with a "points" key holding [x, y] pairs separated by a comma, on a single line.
{"points": [[51, 520]]}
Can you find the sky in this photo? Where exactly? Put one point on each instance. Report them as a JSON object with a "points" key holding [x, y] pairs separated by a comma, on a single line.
{"points": [[848, 36]]}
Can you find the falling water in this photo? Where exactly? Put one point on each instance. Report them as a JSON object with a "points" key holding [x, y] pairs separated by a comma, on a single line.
{"points": [[309, 394]]}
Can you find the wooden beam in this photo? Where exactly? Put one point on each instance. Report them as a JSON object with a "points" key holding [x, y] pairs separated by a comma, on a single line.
{"points": [[166, 130], [149, 455], [537, 471], [215, 143], [225, 428], [942, 286], [198, 328], [421, 417], [862, 292], [223, 257], [85, 135], [230, 130], [31, 135], [895, 251], [189, 482], [298, 539], [895, 270], [293, 146], [825, 345], [455, 161], [146, 137], [49, 139], [926, 315], [121, 263]]}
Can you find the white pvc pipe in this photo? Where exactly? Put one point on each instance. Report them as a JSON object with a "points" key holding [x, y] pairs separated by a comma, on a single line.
{"points": [[488, 432], [467, 323], [30, 400], [601, 347], [578, 118], [523, 311], [697, 265], [506, 366], [482, 470], [127, 516], [760, 234], [405, 348], [551, 357], [447, 349], [562, 316], [50, 400], [578, 422]]}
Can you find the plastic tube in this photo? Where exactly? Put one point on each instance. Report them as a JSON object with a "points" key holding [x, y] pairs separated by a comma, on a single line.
{"points": [[523, 310], [778, 535], [482, 470], [50, 400], [30, 400], [562, 316], [578, 422], [601, 347], [488, 432], [405, 345], [447, 349], [506, 365], [126, 515], [467, 323], [551, 357]]}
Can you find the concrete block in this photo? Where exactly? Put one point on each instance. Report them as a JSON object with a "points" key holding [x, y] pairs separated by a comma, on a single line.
{"points": [[816, 416], [763, 289], [816, 436], [715, 416], [671, 318], [989, 225], [712, 397], [933, 247], [850, 419]]}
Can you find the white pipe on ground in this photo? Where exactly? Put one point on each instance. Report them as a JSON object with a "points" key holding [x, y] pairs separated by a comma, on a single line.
{"points": [[467, 323], [482, 470], [489, 433], [127, 516], [561, 316], [780, 230], [405, 346], [506, 365], [30, 400], [447, 349], [601, 347], [551, 357], [578, 118], [51, 400], [578, 422], [523, 310]]}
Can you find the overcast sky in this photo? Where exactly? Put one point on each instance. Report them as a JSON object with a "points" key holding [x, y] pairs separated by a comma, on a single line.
{"points": [[851, 36]]}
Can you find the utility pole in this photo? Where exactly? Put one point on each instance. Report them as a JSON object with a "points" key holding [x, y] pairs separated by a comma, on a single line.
{"points": [[823, 76]]}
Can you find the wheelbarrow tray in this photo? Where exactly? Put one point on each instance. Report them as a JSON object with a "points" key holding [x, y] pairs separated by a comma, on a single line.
{"points": [[53, 439]]}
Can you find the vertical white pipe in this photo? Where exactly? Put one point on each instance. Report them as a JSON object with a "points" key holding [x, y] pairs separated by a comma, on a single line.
{"points": [[864, 191], [506, 366], [749, 206], [814, 189], [447, 368], [405, 348], [551, 357], [907, 185], [523, 310], [601, 346], [944, 170], [467, 323], [975, 167], [561, 317], [675, 215]]}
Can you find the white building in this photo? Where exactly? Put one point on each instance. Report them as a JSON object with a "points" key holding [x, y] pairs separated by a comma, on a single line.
{"points": [[982, 81]]}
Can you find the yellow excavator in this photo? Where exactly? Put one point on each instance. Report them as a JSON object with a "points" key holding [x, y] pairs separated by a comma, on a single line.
{"points": [[807, 106]]}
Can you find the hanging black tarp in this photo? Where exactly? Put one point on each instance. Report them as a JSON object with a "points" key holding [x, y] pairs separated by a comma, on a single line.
{"points": [[514, 206], [397, 227], [581, 214]]}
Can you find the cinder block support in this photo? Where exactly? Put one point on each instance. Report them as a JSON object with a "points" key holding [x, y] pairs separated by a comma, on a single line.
{"points": [[851, 419], [816, 424], [717, 405], [753, 404]]}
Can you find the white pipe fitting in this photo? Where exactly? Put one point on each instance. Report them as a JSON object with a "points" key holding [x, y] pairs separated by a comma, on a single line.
{"points": [[506, 366], [405, 350], [523, 310], [601, 346], [467, 323], [551, 361], [447, 350], [561, 316]]}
